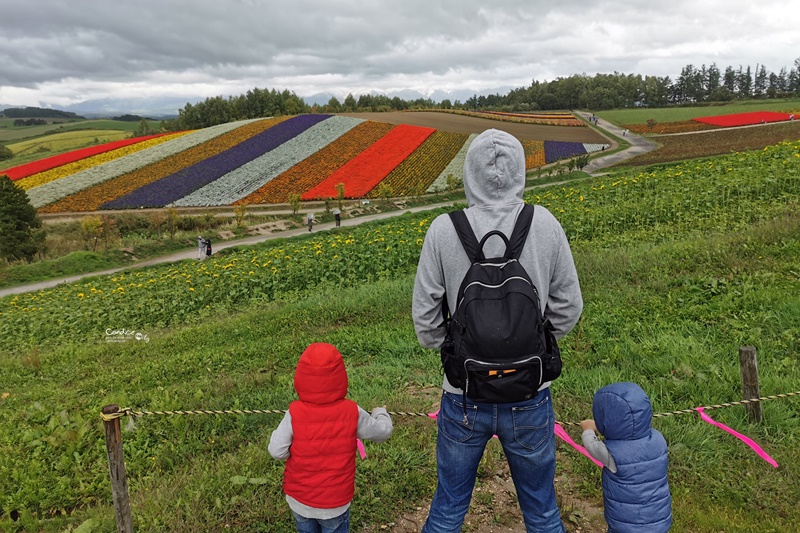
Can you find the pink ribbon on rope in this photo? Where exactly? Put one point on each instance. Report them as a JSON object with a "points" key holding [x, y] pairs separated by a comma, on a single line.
{"points": [[747, 440], [563, 435], [361, 450]]}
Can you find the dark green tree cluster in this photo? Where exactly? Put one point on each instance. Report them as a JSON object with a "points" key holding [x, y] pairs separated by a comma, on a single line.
{"points": [[608, 91], [30, 122], [130, 118], [21, 236], [256, 103], [38, 112]]}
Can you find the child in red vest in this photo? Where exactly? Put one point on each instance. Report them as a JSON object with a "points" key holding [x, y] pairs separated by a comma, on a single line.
{"points": [[317, 438]]}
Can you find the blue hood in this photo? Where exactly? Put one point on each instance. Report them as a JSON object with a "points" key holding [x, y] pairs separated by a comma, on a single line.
{"points": [[622, 411]]}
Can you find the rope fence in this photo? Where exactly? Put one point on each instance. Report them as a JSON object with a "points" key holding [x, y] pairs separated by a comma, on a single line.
{"points": [[127, 411]]}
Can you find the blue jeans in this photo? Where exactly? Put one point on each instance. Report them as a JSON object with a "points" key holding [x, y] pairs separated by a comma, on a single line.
{"points": [[339, 524], [525, 430]]}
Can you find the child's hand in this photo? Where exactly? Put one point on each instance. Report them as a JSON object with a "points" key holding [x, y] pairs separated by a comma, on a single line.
{"points": [[588, 424]]}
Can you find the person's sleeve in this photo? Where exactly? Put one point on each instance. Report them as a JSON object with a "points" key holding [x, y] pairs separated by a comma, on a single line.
{"points": [[598, 450], [565, 301], [376, 427], [429, 290], [281, 439]]}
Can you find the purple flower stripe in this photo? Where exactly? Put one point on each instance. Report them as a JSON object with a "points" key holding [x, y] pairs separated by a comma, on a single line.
{"points": [[555, 150], [187, 180]]}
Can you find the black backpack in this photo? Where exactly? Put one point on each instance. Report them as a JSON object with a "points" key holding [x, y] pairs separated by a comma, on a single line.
{"points": [[498, 348]]}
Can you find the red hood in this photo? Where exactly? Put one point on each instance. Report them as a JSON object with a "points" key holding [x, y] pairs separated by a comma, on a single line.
{"points": [[321, 377]]}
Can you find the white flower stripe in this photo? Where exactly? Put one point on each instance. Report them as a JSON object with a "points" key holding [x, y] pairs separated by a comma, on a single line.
{"points": [[594, 147], [60, 188], [454, 167], [250, 177]]}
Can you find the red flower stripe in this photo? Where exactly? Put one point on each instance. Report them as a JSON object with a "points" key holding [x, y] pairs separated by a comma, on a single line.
{"points": [[34, 167], [314, 169], [744, 119], [364, 172], [415, 174]]}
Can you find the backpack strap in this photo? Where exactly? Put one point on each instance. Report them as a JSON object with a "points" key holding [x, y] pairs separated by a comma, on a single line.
{"points": [[466, 236], [520, 233]]}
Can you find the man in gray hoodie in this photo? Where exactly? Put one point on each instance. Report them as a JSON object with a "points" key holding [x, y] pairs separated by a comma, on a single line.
{"points": [[494, 180]]}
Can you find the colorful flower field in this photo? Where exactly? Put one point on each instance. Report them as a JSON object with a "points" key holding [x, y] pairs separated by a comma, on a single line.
{"points": [[545, 119], [744, 119], [261, 161]]}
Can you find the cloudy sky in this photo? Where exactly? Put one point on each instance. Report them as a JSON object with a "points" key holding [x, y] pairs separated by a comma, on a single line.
{"points": [[61, 52]]}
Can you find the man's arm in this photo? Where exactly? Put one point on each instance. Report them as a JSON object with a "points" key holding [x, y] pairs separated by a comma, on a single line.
{"points": [[565, 301], [429, 292]]}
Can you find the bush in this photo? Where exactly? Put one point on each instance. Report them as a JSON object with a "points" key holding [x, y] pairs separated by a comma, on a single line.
{"points": [[5, 153]]}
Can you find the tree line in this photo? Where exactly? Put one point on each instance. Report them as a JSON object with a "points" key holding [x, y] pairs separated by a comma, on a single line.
{"points": [[37, 112], [694, 86]]}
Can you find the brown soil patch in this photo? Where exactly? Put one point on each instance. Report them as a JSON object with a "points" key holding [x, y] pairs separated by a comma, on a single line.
{"points": [[467, 125], [494, 507], [268, 228]]}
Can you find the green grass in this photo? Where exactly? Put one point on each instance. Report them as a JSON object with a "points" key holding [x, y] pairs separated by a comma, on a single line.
{"points": [[677, 114], [68, 265], [653, 315]]}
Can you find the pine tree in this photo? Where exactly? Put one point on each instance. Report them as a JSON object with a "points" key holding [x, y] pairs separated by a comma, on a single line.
{"points": [[20, 233]]}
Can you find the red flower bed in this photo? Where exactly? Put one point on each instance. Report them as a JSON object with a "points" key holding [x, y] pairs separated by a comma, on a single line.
{"points": [[744, 119], [34, 167], [365, 171]]}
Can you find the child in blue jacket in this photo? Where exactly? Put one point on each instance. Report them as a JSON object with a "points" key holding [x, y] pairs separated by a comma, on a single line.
{"points": [[634, 456]]}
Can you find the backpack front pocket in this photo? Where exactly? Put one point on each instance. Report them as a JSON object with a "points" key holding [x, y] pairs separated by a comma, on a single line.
{"points": [[503, 383]]}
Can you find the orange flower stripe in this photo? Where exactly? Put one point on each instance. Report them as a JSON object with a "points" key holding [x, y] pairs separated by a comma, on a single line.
{"points": [[417, 172], [92, 198], [365, 171], [314, 169], [72, 168], [534, 154]]}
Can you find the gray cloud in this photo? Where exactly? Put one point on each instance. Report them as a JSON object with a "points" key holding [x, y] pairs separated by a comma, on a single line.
{"points": [[62, 51]]}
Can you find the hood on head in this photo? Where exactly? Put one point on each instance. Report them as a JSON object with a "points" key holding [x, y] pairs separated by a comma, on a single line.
{"points": [[320, 376], [494, 170], [622, 411]]}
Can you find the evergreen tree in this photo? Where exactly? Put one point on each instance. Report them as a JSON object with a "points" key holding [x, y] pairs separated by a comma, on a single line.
{"points": [[20, 234]]}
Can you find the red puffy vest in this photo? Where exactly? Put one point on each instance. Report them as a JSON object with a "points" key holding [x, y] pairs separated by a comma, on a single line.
{"points": [[321, 470]]}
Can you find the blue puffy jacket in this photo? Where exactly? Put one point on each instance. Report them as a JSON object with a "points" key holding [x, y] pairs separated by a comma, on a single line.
{"points": [[637, 497]]}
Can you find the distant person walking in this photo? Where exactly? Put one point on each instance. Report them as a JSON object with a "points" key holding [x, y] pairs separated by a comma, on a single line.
{"points": [[310, 218], [208, 247], [337, 216], [201, 245]]}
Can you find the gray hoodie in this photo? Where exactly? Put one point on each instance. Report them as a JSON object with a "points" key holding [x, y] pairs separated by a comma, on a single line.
{"points": [[494, 179]]}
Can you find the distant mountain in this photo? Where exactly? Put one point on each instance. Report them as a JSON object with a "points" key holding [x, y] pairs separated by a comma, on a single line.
{"points": [[151, 107]]}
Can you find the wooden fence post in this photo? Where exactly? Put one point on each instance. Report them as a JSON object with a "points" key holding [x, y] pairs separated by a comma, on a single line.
{"points": [[750, 388], [116, 468]]}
